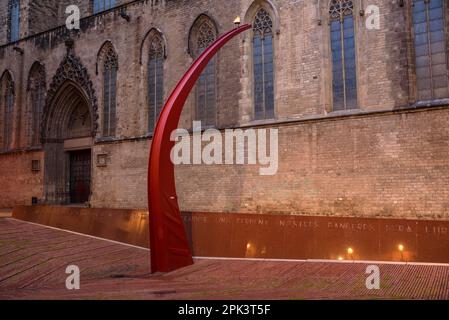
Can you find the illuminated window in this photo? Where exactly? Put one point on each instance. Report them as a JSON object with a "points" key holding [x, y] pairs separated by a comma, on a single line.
{"points": [[109, 91], [14, 20], [430, 49], [263, 66], [36, 99], [155, 81], [103, 5], [344, 82], [7, 90], [204, 33]]}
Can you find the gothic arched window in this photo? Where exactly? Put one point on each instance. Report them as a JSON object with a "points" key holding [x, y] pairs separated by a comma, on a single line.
{"points": [[344, 78], [103, 5], [110, 67], [204, 33], [155, 80], [36, 101], [263, 65], [14, 20], [430, 49], [7, 97]]}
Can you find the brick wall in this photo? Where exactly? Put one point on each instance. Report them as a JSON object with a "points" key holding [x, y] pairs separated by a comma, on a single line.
{"points": [[18, 183], [389, 165], [122, 183], [385, 165], [43, 15]]}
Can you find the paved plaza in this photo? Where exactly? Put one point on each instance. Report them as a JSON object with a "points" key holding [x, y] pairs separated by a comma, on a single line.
{"points": [[33, 261]]}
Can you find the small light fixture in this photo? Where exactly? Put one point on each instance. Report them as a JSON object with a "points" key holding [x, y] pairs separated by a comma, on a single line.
{"points": [[237, 21], [401, 250], [340, 258]]}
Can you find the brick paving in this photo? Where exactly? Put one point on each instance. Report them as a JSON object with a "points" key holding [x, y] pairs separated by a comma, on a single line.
{"points": [[33, 260]]}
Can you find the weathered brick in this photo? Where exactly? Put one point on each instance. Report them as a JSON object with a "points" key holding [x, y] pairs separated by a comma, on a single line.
{"points": [[366, 163]]}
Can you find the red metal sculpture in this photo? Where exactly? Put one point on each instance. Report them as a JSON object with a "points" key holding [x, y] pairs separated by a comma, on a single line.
{"points": [[168, 241]]}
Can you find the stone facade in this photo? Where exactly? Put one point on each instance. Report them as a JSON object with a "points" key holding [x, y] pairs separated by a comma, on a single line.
{"points": [[387, 158]]}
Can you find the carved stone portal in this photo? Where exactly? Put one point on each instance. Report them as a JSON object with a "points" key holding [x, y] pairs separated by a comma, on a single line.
{"points": [[70, 122]]}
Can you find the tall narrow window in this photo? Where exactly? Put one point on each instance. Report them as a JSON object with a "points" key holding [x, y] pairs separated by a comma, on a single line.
{"points": [[14, 20], [344, 83], [7, 90], [109, 92], [103, 5], [430, 49], [36, 100], [263, 66], [204, 33], [155, 81]]}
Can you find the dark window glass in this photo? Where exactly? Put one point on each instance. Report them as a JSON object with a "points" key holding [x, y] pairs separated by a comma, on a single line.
{"points": [[205, 87], [14, 20], [344, 75], [263, 66], [155, 81], [103, 5], [430, 53]]}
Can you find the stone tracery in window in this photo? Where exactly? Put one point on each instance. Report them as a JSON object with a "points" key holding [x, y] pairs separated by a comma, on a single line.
{"points": [[340, 8], [263, 24], [263, 65], [206, 35]]}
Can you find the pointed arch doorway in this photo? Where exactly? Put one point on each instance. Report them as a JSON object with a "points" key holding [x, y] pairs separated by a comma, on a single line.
{"points": [[68, 138], [70, 122]]}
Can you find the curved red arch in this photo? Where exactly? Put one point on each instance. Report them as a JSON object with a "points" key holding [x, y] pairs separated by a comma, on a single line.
{"points": [[168, 241]]}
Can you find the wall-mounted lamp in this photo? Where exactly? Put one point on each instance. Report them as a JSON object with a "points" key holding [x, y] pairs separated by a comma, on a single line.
{"points": [[237, 21]]}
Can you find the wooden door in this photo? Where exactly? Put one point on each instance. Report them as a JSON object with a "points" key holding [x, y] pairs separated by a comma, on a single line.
{"points": [[80, 174]]}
